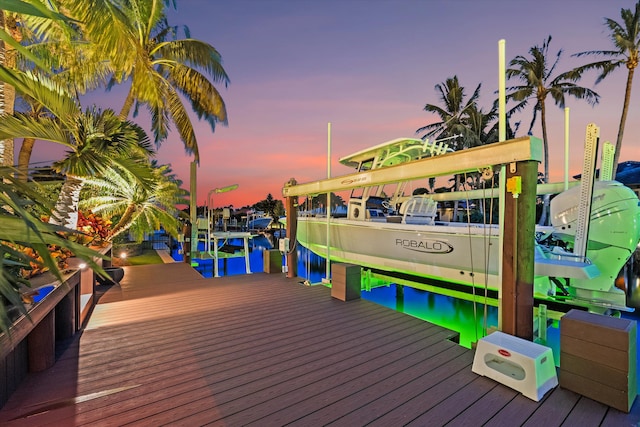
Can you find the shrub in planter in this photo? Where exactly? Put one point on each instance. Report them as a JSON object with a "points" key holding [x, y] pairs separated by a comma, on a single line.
{"points": [[115, 274]]}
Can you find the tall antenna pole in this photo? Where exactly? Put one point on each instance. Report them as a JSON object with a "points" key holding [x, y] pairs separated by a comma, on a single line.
{"points": [[502, 136], [193, 196], [328, 262], [566, 148]]}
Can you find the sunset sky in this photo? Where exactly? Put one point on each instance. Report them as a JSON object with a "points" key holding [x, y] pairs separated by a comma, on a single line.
{"points": [[369, 67]]}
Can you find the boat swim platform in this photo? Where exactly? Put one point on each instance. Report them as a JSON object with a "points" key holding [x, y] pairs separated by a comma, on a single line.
{"points": [[170, 347]]}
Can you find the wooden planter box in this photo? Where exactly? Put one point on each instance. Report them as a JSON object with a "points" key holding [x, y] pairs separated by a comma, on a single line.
{"points": [[345, 281], [272, 261], [598, 358]]}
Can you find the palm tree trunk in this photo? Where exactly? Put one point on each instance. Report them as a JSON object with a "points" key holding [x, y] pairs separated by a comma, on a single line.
{"points": [[8, 92], [65, 212], [128, 103], [125, 222], [545, 145], [8, 98], [623, 119], [24, 156], [3, 88]]}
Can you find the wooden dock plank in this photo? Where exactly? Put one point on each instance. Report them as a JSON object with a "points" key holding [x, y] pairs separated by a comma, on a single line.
{"points": [[446, 410], [402, 388], [484, 408], [415, 406], [364, 393], [515, 412], [234, 373], [288, 388], [555, 408], [169, 347], [586, 413]]}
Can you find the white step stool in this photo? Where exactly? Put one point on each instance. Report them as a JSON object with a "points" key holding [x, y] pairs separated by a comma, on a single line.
{"points": [[517, 363]]}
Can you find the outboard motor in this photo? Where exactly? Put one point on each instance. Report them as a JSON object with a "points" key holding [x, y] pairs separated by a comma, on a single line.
{"points": [[613, 235]]}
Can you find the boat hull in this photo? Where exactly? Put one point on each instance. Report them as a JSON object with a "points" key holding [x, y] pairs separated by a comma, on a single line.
{"points": [[460, 254], [460, 260], [260, 223]]}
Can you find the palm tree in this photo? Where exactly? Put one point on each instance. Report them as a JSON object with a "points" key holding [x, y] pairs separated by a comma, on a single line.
{"points": [[536, 74], [96, 139], [11, 34], [80, 65], [101, 142], [142, 47], [626, 39], [452, 114], [138, 208], [458, 116], [19, 227]]}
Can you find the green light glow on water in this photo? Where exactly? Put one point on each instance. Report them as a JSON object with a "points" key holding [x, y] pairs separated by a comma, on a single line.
{"points": [[448, 312]]}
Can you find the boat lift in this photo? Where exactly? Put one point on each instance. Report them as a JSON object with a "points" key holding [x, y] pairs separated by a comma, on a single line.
{"points": [[217, 236], [520, 156], [213, 238]]}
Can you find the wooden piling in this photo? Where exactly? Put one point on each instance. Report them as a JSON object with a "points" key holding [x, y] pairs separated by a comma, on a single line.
{"points": [[291, 208], [518, 264]]}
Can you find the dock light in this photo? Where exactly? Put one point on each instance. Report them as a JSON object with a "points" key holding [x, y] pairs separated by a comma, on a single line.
{"points": [[217, 191], [123, 255], [82, 266], [210, 210]]}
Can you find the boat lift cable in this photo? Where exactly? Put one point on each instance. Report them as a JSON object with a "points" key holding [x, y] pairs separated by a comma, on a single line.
{"points": [[473, 278], [486, 253], [487, 247]]}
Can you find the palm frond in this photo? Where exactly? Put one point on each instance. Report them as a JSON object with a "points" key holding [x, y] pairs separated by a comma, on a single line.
{"points": [[197, 54], [107, 25], [18, 226], [205, 99], [41, 128], [45, 90], [33, 8], [180, 118]]}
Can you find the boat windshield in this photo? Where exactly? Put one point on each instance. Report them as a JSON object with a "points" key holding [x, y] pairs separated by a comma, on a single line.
{"points": [[366, 165]]}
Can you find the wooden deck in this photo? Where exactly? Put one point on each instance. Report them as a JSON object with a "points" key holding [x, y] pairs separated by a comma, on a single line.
{"points": [[169, 347]]}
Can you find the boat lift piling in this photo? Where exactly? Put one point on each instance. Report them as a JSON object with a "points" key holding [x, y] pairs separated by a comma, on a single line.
{"points": [[518, 247], [291, 209]]}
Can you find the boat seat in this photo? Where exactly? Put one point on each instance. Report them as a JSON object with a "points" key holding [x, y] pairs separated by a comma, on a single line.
{"points": [[419, 209]]}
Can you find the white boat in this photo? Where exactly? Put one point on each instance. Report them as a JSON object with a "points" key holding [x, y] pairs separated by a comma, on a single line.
{"points": [[400, 236], [258, 221]]}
